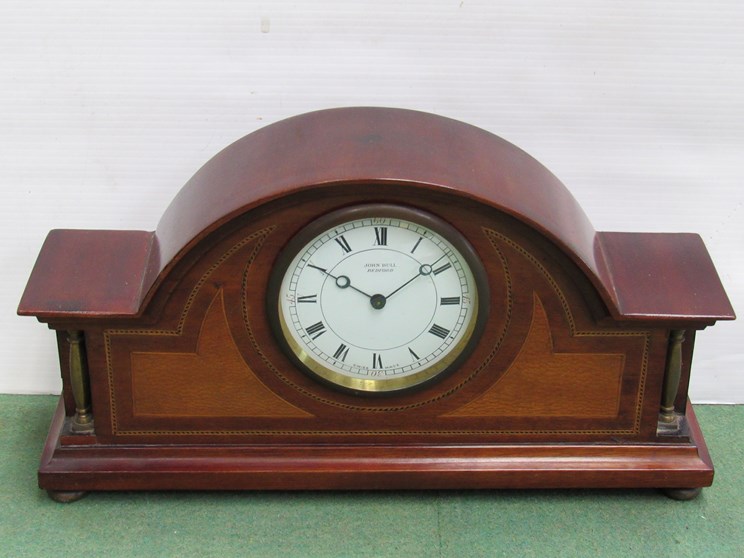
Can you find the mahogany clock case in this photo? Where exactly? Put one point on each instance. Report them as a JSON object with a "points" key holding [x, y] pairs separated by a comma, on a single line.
{"points": [[174, 377]]}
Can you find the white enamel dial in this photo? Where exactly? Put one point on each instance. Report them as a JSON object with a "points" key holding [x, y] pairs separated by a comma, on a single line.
{"points": [[379, 303]]}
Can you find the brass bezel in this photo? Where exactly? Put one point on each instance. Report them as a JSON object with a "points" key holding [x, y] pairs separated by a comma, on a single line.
{"points": [[378, 386]]}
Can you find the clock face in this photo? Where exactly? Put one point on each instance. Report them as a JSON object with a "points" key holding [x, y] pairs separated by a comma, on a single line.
{"points": [[378, 298]]}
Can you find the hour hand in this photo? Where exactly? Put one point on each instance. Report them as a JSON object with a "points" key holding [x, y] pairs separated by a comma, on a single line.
{"points": [[342, 281]]}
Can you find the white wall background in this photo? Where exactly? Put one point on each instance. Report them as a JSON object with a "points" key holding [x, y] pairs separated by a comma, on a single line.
{"points": [[107, 108]]}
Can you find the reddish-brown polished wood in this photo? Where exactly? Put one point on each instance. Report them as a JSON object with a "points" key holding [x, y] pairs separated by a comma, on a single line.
{"points": [[393, 146], [88, 274], [190, 388], [377, 466], [672, 275]]}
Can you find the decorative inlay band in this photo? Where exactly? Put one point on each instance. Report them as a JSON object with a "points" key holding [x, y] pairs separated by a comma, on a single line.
{"points": [[259, 237], [495, 237]]}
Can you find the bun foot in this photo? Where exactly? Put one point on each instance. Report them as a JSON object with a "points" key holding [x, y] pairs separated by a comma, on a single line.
{"points": [[682, 493], [65, 496]]}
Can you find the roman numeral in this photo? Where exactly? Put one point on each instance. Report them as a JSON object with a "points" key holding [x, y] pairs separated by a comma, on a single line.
{"points": [[376, 360], [308, 298], [416, 245], [380, 236], [439, 331], [341, 353], [316, 330], [343, 243], [439, 270], [446, 300], [414, 355]]}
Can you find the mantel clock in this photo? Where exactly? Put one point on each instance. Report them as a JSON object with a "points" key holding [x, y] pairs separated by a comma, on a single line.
{"points": [[371, 298]]}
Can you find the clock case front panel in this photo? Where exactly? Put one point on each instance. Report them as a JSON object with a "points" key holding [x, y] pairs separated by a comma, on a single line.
{"points": [[189, 387], [210, 366]]}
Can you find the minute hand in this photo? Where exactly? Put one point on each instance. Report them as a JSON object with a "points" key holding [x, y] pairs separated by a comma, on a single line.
{"points": [[424, 269]]}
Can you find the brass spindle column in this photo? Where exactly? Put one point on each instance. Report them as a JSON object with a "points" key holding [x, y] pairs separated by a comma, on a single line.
{"points": [[672, 375], [82, 423]]}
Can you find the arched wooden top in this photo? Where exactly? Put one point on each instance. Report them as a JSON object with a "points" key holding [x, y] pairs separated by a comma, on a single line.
{"points": [[663, 277], [376, 145]]}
